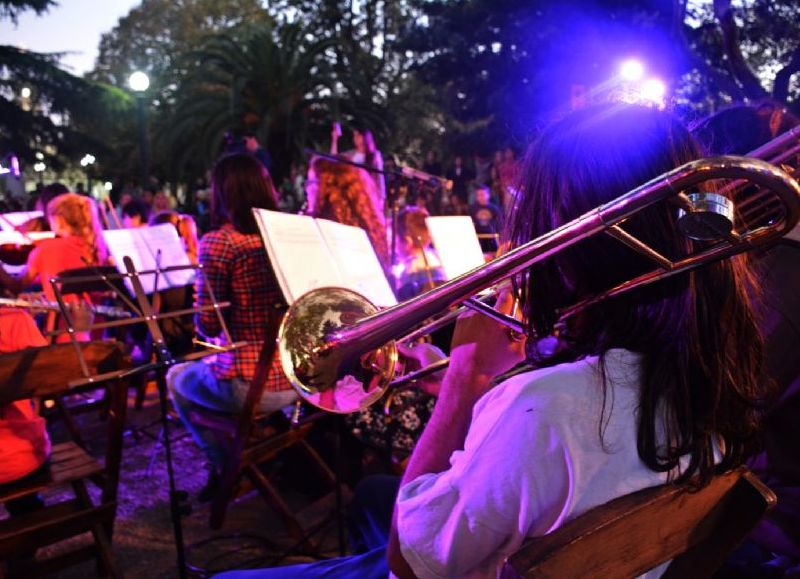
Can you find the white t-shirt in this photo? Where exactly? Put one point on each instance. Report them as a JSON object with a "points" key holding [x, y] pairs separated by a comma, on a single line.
{"points": [[532, 460]]}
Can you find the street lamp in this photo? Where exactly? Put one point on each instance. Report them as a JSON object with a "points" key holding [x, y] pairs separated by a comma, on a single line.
{"points": [[86, 162], [139, 83], [39, 167]]}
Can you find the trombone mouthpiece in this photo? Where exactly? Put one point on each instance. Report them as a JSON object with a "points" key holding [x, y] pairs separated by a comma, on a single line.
{"points": [[711, 217]]}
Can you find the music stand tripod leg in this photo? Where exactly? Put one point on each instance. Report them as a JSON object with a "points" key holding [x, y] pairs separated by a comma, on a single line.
{"points": [[165, 359]]}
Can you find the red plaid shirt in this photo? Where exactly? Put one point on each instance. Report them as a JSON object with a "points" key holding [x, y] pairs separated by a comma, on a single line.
{"points": [[238, 271]]}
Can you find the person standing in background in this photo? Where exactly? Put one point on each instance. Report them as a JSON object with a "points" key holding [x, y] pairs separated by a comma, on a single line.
{"points": [[365, 153]]}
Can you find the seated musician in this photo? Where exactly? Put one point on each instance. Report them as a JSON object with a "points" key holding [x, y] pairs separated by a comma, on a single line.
{"points": [[654, 385], [178, 332], [24, 444], [135, 213], [418, 269], [238, 271], [184, 225], [77, 244], [48, 193]]}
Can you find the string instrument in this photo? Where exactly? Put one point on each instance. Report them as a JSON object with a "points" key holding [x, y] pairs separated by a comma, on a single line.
{"points": [[16, 252]]}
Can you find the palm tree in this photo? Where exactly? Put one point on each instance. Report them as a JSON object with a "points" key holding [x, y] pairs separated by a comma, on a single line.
{"points": [[272, 81]]}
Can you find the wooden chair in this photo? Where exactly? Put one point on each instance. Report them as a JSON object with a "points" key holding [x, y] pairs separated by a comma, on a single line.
{"points": [[46, 372], [264, 439], [249, 445], [632, 534]]}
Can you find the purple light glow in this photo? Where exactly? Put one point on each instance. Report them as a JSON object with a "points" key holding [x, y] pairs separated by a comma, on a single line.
{"points": [[653, 91], [631, 70]]}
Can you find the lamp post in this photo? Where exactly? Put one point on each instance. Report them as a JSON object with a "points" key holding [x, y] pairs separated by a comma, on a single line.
{"points": [[86, 162], [139, 83]]}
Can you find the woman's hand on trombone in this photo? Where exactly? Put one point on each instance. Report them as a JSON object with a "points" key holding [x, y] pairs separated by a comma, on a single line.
{"points": [[481, 349]]}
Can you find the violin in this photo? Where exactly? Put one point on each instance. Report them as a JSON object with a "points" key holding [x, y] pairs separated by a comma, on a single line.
{"points": [[16, 252]]}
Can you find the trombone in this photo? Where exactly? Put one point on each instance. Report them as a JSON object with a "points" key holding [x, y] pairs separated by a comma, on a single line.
{"points": [[337, 349]]}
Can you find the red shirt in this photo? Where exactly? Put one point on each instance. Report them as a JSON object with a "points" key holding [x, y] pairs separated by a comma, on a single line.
{"points": [[24, 444], [238, 271], [53, 256]]}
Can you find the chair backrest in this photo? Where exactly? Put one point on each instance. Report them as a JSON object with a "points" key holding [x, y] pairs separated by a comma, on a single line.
{"points": [[48, 370], [628, 536]]}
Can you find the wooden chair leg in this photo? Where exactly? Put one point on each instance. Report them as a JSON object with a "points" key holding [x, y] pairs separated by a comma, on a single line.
{"points": [[101, 539], [69, 421], [141, 390], [219, 504], [322, 468], [105, 553], [274, 500]]}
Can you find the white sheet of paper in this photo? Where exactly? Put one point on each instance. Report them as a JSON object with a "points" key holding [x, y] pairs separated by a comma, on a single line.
{"points": [[12, 237], [298, 253], [357, 261], [142, 246], [165, 237], [456, 243], [8, 221]]}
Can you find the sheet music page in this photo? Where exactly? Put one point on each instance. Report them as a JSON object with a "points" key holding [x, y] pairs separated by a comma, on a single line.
{"points": [[142, 245], [8, 221], [298, 253], [123, 242], [357, 262], [456, 243], [165, 237], [12, 237]]}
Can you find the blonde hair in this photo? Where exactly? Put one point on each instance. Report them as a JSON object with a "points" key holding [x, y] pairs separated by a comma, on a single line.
{"points": [[79, 215]]}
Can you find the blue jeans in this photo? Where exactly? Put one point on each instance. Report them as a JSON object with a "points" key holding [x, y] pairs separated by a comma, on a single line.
{"points": [[370, 518], [193, 385]]}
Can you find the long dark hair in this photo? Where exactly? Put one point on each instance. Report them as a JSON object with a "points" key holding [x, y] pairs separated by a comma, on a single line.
{"points": [[239, 183], [701, 348]]}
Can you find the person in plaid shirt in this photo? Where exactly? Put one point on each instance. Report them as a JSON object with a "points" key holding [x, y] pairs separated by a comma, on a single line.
{"points": [[238, 270]]}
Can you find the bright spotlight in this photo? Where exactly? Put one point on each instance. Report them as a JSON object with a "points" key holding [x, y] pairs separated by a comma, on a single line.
{"points": [[139, 81], [39, 167], [631, 70], [653, 90], [108, 186], [25, 92]]}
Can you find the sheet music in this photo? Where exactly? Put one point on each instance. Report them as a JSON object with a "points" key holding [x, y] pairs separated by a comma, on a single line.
{"points": [[165, 237], [12, 237], [142, 245], [298, 253], [9, 221], [358, 264], [456, 244]]}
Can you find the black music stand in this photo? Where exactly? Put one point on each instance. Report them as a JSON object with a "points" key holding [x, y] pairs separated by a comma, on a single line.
{"points": [[143, 311]]}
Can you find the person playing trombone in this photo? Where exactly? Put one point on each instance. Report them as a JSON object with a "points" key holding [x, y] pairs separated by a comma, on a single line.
{"points": [[658, 384]]}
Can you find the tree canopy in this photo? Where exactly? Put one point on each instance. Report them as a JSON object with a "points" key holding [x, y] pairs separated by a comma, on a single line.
{"points": [[458, 75]]}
